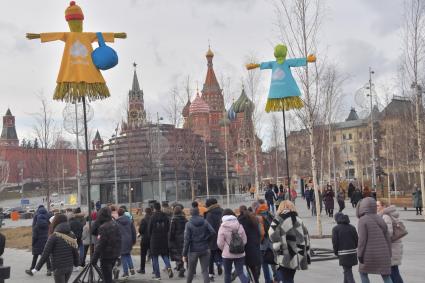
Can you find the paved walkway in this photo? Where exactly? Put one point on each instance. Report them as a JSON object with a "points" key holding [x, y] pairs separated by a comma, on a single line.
{"points": [[324, 271]]}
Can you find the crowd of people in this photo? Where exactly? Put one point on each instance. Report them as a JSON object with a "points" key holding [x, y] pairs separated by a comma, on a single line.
{"points": [[266, 238]]}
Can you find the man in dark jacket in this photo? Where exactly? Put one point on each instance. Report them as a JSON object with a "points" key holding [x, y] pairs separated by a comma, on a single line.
{"points": [[128, 239], [145, 240], [77, 222], [158, 234], [270, 197], [344, 241], [108, 245], [213, 216], [197, 234]]}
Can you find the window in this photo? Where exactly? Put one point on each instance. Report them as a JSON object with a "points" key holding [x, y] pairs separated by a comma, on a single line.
{"points": [[351, 149], [360, 135], [350, 136], [343, 136], [334, 138]]}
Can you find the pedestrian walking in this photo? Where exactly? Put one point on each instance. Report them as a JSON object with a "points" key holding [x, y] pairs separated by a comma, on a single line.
{"points": [[351, 189], [197, 234], [231, 241], [62, 249], [417, 200], [77, 222], [85, 238], [40, 234], [344, 242], [108, 244], [391, 218], [366, 192], [279, 198], [252, 191], [167, 209], [128, 239], [308, 196], [356, 197], [254, 232], [159, 227], [374, 248], [328, 198], [340, 198], [270, 197], [213, 216], [144, 239], [176, 238], [265, 219], [291, 242]]}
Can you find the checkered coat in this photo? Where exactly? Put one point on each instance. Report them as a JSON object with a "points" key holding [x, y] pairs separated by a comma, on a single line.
{"points": [[291, 241]]}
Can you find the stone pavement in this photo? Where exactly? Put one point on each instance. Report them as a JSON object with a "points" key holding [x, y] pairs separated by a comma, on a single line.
{"points": [[323, 271]]}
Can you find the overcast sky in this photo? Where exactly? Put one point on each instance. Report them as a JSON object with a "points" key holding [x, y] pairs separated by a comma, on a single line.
{"points": [[168, 39]]}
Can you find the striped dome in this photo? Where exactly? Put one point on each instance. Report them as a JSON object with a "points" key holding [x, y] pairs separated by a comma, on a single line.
{"points": [[199, 106]]}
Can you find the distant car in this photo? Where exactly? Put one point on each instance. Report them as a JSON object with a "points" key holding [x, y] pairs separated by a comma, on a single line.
{"points": [[55, 195], [9, 211]]}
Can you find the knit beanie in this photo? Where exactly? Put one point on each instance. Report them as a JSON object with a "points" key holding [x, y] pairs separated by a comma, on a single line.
{"points": [[73, 12]]}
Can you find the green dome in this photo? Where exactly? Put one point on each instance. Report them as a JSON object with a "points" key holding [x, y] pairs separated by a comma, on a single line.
{"points": [[243, 103]]}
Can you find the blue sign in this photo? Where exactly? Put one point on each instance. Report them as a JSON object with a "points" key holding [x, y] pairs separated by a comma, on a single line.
{"points": [[25, 201]]}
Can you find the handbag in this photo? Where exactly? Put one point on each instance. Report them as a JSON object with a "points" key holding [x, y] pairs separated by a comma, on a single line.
{"points": [[104, 57], [268, 256], [399, 230]]}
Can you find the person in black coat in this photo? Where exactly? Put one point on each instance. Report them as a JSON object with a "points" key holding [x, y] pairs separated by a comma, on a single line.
{"points": [[253, 236], [176, 238], [77, 222], [62, 248], [128, 239], [108, 245], [145, 240], [356, 197], [270, 197], [344, 241], [40, 234], [213, 216], [158, 234]]}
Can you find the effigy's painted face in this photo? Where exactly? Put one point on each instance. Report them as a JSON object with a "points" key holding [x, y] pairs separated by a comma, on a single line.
{"points": [[75, 25], [280, 52]]}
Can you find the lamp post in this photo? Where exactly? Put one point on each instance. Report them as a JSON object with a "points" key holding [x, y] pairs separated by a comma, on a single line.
{"points": [[226, 159], [115, 165], [371, 72], [159, 156], [206, 167]]}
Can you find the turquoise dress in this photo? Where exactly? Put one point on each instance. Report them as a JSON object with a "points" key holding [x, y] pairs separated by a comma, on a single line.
{"points": [[282, 82]]}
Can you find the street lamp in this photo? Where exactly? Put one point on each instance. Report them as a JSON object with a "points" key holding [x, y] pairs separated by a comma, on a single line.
{"points": [[159, 157], [115, 165], [371, 72]]}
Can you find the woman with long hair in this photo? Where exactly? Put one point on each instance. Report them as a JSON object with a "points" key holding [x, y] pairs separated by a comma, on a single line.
{"points": [[62, 248], [291, 242], [253, 233]]}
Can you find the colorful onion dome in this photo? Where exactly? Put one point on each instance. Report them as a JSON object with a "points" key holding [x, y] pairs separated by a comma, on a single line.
{"points": [[198, 106], [243, 103]]}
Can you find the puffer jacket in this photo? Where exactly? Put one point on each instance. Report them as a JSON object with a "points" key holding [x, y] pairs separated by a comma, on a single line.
{"points": [[61, 248], [374, 248], [229, 223], [197, 234], [128, 234], [344, 240], [290, 241], [40, 231], [108, 245], [390, 215], [176, 236], [77, 222], [213, 216]]}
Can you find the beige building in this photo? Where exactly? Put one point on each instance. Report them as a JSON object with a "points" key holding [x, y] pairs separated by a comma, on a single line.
{"points": [[351, 154]]}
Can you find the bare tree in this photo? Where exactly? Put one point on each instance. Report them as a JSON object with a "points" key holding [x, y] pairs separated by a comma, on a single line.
{"points": [[45, 130], [4, 173], [298, 24], [413, 64]]}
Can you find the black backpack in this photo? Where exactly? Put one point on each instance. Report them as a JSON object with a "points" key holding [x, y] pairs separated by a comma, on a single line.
{"points": [[236, 245]]}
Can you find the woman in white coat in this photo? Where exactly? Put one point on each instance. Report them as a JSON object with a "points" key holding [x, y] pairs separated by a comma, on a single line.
{"points": [[390, 215]]}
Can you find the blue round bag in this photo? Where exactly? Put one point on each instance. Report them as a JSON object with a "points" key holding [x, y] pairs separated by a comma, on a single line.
{"points": [[104, 57]]}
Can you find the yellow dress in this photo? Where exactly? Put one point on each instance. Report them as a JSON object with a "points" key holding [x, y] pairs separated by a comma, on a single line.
{"points": [[78, 76]]}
